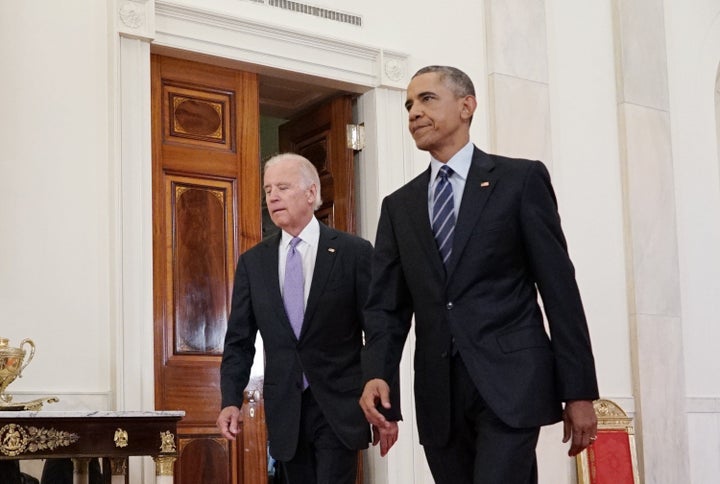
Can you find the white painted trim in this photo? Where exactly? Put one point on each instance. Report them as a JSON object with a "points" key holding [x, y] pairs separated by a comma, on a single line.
{"points": [[267, 46], [134, 360], [135, 351]]}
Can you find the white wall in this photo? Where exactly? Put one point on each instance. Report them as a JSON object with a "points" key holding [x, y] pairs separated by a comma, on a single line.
{"points": [[54, 203], [587, 180], [693, 34], [586, 176]]}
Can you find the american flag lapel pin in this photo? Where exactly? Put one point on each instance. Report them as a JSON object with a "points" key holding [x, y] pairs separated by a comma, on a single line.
{"points": [[331, 250], [485, 184]]}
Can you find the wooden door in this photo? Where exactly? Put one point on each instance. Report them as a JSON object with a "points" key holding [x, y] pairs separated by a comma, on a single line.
{"points": [[206, 211], [319, 135]]}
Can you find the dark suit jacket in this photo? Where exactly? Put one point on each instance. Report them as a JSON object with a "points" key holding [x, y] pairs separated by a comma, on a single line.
{"points": [[508, 244], [329, 347]]}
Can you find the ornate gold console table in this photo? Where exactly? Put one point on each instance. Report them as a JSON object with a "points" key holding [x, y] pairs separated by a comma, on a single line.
{"points": [[83, 435]]}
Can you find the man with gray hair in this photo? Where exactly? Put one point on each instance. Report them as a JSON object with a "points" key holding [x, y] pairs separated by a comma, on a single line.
{"points": [[304, 289]]}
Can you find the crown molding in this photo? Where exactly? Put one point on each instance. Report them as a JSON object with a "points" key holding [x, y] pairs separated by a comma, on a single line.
{"points": [[208, 32], [135, 18]]}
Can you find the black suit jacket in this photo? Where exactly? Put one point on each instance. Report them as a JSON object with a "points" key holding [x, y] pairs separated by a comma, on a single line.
{"points": [[508, 244], [329, 347]]}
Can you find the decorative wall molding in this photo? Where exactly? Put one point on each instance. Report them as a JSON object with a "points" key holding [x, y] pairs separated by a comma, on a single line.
{"points": [[135, 18], [269, 46], [703, 405]]}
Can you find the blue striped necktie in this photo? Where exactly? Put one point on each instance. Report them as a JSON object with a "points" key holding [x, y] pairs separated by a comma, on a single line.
{"points": [[443, 223]]}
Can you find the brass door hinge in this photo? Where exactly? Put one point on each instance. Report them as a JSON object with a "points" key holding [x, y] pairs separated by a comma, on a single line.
{"points": [[355, 134]]}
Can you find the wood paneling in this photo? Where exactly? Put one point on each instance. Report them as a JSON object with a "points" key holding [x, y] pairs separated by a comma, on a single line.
{"points": [[206, 211], [319, 135], [201, 262], [203, 458]]}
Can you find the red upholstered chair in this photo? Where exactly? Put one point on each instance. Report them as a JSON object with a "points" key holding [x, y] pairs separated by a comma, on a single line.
{"points": [[611, 459]]}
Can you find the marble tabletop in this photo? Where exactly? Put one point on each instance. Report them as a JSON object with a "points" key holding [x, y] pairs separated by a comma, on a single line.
{"points": [[90, 413]]}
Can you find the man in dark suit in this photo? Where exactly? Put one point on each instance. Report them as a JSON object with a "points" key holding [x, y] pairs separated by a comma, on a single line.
{"points": [[313, 377], [466, 250]]}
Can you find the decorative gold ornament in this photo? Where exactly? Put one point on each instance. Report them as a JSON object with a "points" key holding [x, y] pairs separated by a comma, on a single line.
{"points": [[16, 440], [7, 404], [13, 440], [164, 465], [12, 362], [167, 442], [121, 438]]}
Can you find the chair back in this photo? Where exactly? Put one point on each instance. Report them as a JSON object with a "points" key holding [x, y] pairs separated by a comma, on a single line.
{"points": [[612, 458]]}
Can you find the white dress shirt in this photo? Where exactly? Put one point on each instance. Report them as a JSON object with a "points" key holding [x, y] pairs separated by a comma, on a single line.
{"points": [[460, 164], [308, 247]]}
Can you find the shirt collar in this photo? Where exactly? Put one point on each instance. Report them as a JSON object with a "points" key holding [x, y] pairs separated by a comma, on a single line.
{"points": [[460, 162], [310, 234]]}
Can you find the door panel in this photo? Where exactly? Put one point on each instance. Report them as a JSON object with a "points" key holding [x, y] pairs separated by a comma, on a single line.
{"points": [[206, 211], [202, 262], [319, 135], [208, 461]]}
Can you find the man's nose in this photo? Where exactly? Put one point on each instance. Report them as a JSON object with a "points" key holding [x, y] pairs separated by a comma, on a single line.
{"points": [[414, 113]]}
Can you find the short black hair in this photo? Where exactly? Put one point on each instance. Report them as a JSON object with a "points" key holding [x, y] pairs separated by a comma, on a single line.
{"points": [[456, 80]]}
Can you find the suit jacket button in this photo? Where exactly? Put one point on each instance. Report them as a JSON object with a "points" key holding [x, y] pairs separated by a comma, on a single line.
{"points": [[443, 354], [449, 306]]}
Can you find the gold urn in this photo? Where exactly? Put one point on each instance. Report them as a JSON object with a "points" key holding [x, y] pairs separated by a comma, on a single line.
{"points": [[12, 362]]}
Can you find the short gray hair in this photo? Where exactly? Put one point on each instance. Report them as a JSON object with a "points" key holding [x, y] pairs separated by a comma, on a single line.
{"points": [[308, 172]]}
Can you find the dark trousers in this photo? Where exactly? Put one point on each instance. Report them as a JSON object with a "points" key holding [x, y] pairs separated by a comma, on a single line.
{"points": [[482, 449], [320, 457]]}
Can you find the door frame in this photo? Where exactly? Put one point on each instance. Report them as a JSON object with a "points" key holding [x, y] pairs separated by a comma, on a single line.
{"points": [[265, 48]]}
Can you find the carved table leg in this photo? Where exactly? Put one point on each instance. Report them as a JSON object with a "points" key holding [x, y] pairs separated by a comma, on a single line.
{"points": [[81, 470], [164, 469], [118, 466]]}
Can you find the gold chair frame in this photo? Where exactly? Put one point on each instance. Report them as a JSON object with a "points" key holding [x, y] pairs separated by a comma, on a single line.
{"points": [[611, 418]]}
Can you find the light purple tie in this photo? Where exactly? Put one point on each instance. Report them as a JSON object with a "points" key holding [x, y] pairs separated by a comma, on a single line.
{"points": [[294, 287], [294, 291]]}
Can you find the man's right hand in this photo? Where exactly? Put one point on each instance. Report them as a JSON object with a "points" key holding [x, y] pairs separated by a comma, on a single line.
{"points": [[228, 422], [385, 437], [375, 391]]}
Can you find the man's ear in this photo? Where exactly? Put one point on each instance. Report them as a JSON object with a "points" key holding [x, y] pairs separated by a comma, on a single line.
{"points": [[469, 104], [312, 193]]}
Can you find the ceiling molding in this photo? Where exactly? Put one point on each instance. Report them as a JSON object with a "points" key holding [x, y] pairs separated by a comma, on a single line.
{"points": [[269, 47]]}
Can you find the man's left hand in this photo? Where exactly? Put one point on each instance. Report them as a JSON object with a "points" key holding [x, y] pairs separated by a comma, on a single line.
{"points": [[580, 425]]}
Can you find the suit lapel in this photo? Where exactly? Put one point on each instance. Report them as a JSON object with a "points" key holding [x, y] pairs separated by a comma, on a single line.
{"points": [[479, 185], [271, 278], [327, 254]]}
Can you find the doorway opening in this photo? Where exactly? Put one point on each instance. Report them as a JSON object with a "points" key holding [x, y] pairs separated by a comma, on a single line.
{"points": [[207, 206]]}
